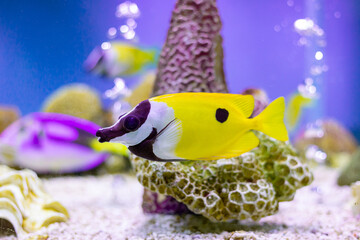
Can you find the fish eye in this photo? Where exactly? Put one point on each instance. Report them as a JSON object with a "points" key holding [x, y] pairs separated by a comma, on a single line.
{"points": [[131, 123]]}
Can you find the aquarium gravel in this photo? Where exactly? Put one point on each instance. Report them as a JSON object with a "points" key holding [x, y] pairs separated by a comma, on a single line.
{"points": [[109, 207]]}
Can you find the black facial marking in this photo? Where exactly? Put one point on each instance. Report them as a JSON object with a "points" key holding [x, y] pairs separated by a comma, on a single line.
{"points": [[221, 114], [127, 124], [145, 148]]}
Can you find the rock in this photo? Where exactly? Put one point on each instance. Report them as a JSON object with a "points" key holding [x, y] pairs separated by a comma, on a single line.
{"points": [[8, 115], [351, 173]]}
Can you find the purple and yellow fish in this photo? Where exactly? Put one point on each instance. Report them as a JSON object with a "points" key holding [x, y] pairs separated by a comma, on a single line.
{"points": [[50, 143], [118, 59], [195, 126]]}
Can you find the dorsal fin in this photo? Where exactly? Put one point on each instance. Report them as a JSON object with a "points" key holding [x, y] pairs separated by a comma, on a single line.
{"points": [[245, 104]]}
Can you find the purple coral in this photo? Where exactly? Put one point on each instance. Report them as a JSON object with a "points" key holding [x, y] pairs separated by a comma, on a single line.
{"points": [[158, 203], [191, 59], [260, 97]]}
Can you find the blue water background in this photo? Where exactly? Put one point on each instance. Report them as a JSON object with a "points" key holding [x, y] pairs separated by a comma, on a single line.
{"points": [[43, 45]]}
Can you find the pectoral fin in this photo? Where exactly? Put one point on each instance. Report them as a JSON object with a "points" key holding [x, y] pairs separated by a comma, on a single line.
{"points": [[167, 140]]}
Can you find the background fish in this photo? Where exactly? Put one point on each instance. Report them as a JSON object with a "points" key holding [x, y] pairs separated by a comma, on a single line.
{"points": [[118, 59], [50, 143], [195, 126], [294, 109], [143, 90]]}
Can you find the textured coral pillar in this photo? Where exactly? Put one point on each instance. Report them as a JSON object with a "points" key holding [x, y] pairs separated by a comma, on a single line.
{"points": [[248, 186], [192, 58]]}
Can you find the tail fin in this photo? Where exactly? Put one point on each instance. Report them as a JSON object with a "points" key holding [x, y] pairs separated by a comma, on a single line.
{"points": [[271, 120], [154, 54], [294, 109]]}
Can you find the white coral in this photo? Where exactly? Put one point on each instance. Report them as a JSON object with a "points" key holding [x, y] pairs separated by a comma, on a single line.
{"points": [[25, 204], [355, 187]]}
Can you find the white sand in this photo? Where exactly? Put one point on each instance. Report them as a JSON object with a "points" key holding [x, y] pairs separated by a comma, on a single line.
{"points": [[109, 207]]}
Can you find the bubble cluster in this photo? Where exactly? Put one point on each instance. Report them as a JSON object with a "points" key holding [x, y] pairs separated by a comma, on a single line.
{"points": [[308, 89], [307, 27], [117, 94], [128, 12], [312, 37]]}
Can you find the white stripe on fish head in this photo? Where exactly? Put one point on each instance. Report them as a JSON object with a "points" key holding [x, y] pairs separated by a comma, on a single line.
{"points": [[163, 119], [160, 115]]}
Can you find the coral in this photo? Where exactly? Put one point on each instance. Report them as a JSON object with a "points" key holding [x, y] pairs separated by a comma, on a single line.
{"points": [[355, 188], [143, 90], [260, 97], [8, 115], [159, 203], [329, 136], [25, 204], [248, 186], [351, 173], [78, 100], [191, 58]]}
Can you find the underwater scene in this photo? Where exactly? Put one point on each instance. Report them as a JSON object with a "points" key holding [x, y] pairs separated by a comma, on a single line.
{"points": [[179, 119]]}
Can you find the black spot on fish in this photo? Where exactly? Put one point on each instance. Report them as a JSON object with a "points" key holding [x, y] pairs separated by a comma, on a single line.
{"points": [[221, 114]]}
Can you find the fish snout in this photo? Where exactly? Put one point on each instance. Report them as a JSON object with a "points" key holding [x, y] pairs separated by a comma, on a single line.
{"points": [[95, 58], [109, 133], [103, 135]]}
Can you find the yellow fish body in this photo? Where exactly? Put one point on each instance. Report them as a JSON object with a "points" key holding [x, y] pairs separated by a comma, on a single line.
{"points": [[195, 126], [118, 59]]}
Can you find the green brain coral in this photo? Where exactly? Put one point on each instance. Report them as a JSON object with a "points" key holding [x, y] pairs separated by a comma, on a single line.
{"points": [[248, 186], [78, 100]]}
